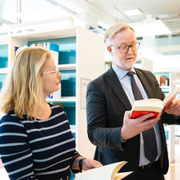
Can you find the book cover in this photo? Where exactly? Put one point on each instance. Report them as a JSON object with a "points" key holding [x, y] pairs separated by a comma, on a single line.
{"points": [[52, 47], [163, 81], [12, 54], [59, 104], [158, 76], [15, 50], [156, 106], [107, 172]]}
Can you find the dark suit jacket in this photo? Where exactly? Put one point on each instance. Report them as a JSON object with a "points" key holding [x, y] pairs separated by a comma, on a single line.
{"points": [[106, 105]]}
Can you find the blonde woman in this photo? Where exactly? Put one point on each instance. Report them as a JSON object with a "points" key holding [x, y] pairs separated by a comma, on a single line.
{"points": [[36, 142]]}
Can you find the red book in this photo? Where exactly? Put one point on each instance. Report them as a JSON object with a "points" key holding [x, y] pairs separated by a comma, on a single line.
{"points": [[156, 106]]}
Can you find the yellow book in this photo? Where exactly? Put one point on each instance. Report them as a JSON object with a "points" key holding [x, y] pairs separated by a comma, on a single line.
{"points": [[12, 54], [107, 172]]}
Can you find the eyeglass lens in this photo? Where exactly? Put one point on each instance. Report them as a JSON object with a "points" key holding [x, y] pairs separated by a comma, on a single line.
{"points": [[125, 48]]}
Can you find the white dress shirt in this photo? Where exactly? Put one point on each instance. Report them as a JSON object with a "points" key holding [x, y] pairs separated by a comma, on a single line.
{"points": [[125, 81]]}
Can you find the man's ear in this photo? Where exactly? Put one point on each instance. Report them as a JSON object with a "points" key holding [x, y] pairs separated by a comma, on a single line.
{"points": [[109, 49]]}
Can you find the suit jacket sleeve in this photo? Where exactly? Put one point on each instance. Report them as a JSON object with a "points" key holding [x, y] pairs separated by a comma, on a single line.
{"points": [[99, 132]]}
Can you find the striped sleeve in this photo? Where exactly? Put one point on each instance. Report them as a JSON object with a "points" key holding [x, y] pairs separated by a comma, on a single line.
{"points": [[15, 150]]}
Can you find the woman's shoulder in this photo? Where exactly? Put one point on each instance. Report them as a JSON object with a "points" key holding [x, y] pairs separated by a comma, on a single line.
{"points": [[56, 107], [10, 122], [10, 117]]}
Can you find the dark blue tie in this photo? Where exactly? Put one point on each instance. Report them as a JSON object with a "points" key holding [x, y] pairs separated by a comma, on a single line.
{"points": [[150, 145]]}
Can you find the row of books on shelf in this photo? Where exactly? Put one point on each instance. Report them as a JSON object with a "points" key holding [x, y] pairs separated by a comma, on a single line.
{"points": [[107, 67], [163, 81], [58, 104], [177, 140], [50, 46]]}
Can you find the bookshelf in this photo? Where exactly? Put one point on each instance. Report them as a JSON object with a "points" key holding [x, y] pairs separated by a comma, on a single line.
{"points": [[168, 87], [141, 63], [81, 56], [3, 59]]}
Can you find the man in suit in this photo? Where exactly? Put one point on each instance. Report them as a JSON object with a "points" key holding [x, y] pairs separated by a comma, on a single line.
{"points": [[109, 100]]}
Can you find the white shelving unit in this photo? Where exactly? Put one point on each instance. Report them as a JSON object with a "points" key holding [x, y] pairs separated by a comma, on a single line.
{"points": [[170, 129], [141, 62], [144, 63], [89, 65]]}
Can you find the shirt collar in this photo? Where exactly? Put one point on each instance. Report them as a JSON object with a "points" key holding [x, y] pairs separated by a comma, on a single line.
{"points": [[121, 72]]}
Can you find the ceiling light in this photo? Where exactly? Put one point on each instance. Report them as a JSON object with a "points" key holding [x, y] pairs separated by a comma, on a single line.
{"points": [[42, 14], [50, 23], [51, 13], [150, 28], [133, 12]]}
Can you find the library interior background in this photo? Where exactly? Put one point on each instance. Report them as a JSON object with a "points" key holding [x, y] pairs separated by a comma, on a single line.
{"points": [[73, 29]]}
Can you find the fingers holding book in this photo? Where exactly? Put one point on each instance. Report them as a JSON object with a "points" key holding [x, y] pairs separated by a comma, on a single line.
{"points": [[174, 108], [132, 127]]}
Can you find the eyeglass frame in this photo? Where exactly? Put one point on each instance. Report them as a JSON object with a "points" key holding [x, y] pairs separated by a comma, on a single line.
{"points": [[55, 71], [118, 47]]}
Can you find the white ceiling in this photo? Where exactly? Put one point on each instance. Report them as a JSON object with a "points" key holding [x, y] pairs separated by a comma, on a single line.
{"points": [[166, 10], [111, 11], [107, 12]]}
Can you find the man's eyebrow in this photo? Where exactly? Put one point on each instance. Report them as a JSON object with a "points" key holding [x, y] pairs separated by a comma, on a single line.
{"points": [[125, 43]]}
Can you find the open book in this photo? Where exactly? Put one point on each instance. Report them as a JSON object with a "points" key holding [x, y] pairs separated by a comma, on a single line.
{"points": [[156, 106], [107, 172]]}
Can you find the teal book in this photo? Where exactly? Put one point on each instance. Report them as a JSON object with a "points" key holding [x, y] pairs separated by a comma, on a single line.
{"points": [[52, 47]]}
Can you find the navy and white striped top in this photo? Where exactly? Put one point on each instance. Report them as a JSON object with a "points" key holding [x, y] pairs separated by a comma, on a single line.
{"points": [[37, 149]]}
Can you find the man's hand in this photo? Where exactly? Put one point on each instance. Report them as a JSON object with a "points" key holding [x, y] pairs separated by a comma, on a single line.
{"points": [[174, 108], [132, 127]]}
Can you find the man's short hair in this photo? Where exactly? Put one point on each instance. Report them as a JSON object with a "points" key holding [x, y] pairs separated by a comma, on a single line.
{"points": [[114, 29]]}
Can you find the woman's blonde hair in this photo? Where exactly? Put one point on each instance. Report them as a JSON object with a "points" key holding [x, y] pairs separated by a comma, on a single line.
{"points": [[22, 89], [114, 29]]}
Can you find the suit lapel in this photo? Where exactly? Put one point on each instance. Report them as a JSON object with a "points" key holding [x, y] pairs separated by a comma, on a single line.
{"points": [[113, 81]]}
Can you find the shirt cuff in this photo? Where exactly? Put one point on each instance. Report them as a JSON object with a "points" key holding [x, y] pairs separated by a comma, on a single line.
{"points": [[176, 117], [122, 140]]}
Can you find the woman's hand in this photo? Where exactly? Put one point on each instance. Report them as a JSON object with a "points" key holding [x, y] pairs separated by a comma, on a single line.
{"points": [[90, 164], [86, 164]]}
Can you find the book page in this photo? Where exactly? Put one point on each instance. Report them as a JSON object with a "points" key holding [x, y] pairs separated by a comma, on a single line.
{"points": [[171, 95], [119, 176], [107, 172], [169, 99], [148, 105]]}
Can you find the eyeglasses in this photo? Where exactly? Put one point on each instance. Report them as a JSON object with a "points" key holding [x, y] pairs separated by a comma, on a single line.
{"points": [[124, 48], [52, 72]]}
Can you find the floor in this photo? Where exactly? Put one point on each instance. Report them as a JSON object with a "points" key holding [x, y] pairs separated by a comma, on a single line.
{"points": [[173, 173], [174, 169]]}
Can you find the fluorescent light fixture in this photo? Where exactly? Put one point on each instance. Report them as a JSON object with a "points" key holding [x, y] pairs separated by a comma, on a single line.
{"points": [[50, 13], [42, 14], [47, 24], [150, 28], [133, 12]]}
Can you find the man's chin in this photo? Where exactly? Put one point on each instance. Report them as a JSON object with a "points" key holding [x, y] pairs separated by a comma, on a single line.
{"points": [[129, 66], [125, 66]]}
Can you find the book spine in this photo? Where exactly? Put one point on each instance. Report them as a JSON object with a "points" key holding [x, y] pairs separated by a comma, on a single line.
{"points": [[136, 114], [15, 50], [50, 96], [53, 47]]}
